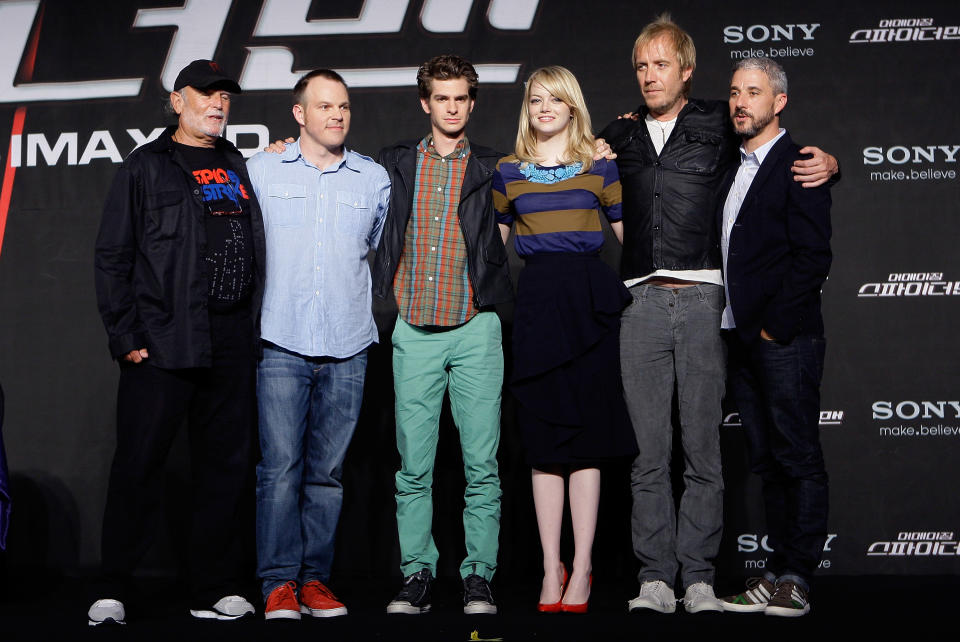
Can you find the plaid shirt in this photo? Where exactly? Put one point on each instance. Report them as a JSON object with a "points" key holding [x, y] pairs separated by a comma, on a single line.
{"points": [[432, 285]]}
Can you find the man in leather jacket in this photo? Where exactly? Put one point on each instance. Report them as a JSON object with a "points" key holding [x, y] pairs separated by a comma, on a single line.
{"points": [[672, 158], [442, 257], [179, 275]]}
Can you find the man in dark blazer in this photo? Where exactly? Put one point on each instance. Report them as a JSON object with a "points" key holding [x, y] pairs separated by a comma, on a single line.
{"points": [[775, 242]]}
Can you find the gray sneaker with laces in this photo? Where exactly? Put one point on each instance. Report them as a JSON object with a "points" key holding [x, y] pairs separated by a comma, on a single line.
{"points": [[656, 596], [700, 597]]}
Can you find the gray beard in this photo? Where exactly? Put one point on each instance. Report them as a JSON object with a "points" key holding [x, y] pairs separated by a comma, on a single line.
{"points": [[756, 125]]}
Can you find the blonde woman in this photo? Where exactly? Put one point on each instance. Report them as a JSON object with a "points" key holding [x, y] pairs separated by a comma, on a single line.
{"points": [[566, 371]]}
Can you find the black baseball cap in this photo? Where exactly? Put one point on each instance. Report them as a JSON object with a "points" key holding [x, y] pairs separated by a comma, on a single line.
{"points": [[205, 74]]}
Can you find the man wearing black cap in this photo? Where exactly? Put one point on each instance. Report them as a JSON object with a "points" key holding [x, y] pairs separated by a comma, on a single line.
{"points": [[179, 276]]}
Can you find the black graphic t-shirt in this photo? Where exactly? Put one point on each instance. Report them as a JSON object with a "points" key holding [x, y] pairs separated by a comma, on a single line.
{"points": [[229, 252]]}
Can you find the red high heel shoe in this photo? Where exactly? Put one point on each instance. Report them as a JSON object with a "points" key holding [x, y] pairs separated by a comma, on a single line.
{"points": [[577, 608], [557, 606]]}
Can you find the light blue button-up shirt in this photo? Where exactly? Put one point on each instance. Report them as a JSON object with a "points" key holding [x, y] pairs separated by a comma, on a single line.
{"points": [[749, 165], [320, 227]]}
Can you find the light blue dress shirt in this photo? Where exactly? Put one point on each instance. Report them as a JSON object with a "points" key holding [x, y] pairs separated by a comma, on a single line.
{"points": [[320, 227], [749, 165]]}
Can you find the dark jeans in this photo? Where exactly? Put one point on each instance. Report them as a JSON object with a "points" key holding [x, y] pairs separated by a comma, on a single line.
{"points": [[777, 390], [219, 406], [670, 337]]}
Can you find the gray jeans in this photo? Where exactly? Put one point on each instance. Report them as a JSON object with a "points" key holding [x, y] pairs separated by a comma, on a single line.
{"points": [[672, 336]]}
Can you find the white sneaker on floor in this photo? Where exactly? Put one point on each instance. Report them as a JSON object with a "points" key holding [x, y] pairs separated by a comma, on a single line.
{"points": [[230, 607], [656, 596], [700, 597], [103, 611]]}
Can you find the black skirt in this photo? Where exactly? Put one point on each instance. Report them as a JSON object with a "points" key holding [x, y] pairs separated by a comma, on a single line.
{"points": [[566, 370]]}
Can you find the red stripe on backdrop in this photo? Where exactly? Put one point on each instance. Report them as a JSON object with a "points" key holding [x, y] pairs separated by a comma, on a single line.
{"points": [[29, 62], [9, 171], [30, 59]]}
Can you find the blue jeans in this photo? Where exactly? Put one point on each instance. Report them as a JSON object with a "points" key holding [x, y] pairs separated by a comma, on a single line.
{"points": [[670, 337], [308, 411], [777, 390]]}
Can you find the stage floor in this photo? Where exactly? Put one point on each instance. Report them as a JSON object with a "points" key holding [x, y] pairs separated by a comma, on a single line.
{"points": [[857, 608]]}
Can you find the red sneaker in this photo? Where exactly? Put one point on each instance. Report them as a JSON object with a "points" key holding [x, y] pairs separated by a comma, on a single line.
{"points": [[319, 601], [282, 603]]}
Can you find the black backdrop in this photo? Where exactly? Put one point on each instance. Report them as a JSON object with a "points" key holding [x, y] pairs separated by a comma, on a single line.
{"points": [[872, 82]]}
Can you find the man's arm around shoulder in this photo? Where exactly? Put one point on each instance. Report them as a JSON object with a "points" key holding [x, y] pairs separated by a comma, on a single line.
{"points": [[617, 131]]}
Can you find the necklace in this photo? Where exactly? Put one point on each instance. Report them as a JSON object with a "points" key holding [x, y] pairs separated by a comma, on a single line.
{"points": [[536, 174]]}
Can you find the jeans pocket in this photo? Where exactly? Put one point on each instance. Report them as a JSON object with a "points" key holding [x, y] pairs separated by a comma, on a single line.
{"points": [[713, 297]]}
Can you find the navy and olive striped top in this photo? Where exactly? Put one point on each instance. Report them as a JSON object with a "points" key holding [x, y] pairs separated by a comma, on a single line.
{"points": [[557, 217]]}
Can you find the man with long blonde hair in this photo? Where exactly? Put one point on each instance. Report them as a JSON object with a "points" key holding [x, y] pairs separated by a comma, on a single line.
{"points": [[673, 157]]}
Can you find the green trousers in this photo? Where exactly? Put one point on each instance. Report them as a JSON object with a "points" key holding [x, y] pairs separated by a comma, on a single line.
{"points": [[467, 361]]}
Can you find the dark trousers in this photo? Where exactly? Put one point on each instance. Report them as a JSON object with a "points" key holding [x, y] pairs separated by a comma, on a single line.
{"points": [[219, 406], [777, 390]]}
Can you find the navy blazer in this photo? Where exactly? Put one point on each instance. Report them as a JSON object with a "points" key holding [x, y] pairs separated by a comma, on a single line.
{"points": [[779, 250]]}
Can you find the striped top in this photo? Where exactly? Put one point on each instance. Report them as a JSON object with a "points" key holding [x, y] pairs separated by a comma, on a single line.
{"points": [[432, 285], [557, 217]]}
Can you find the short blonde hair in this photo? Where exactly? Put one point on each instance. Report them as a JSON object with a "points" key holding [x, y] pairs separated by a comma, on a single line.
{"points": [[562, 84], [680, 40]]}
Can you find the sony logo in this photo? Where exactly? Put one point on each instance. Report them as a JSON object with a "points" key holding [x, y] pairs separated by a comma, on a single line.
{"points": [[763, 33], [900, 154], [751, 543], [914, 409], [200, 23]]}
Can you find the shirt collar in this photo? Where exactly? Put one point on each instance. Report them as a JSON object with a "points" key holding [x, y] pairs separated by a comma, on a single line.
{"points": [[462, 149], [292, 153], [761, 152]]}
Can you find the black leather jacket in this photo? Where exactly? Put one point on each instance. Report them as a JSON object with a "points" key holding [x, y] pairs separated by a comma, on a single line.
{"points": [[669, 200], [486, 255], [150, 271]]}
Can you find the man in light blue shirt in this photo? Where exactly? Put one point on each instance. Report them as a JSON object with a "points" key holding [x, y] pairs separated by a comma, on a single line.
{"points": [[323, 210]]}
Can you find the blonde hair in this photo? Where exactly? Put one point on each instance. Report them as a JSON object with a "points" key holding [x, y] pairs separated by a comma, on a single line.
{"points": [[562, 84], [679, 39]]}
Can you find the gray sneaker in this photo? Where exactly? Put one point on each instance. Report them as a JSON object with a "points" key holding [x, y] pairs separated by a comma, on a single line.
{"points": [[230, 607], [789, 600], [654, 596], [700, 597], [414, 597], [753, 600], [106, 612]]}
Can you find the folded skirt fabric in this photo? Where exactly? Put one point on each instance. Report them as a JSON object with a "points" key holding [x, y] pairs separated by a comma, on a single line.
{"points": [[566, 369]]}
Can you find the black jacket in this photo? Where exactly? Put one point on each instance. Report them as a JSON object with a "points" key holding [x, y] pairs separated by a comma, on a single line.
{"points": [[150, 271], [779, 253], [486, 255], [669, 200]]}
